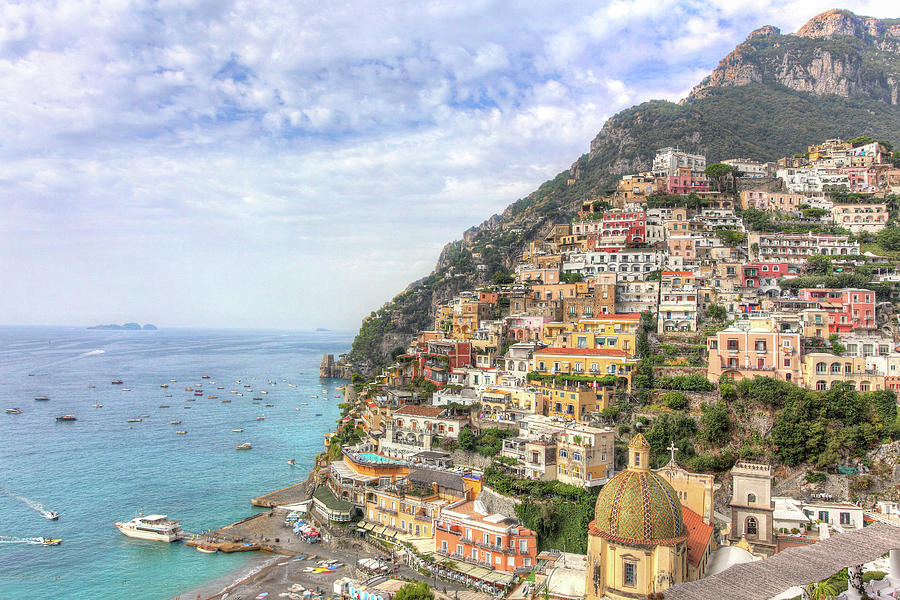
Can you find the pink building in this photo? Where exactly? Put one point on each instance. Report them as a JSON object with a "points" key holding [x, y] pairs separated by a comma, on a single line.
{"points": [[525, 328], [632, 225], [684, 181], [862, 179], [848, 309]]}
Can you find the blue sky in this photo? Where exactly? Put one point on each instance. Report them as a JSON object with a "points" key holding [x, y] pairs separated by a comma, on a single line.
{"points": [[296, 164]]}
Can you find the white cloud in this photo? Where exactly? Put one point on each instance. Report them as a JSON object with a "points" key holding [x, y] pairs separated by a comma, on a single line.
{"points": [[177, 163]]}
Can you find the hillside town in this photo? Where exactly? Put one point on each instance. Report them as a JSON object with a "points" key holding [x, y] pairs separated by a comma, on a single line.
{"points": [[697, 372]]}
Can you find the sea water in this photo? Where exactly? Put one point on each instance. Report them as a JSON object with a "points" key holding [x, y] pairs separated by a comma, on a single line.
{"points": [[101, 468]]}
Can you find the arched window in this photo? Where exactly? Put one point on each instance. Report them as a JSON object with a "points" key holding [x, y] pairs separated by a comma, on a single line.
{"points": [[864, 386], [836, 368], [821, 368], [751, 526], [751, 498], [821, 386]]}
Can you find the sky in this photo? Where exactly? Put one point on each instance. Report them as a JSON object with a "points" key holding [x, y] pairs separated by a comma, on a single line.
{"points": [[293, 165]]}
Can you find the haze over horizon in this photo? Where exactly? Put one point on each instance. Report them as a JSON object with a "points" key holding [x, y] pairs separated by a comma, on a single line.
{"points": [[257, 165]]}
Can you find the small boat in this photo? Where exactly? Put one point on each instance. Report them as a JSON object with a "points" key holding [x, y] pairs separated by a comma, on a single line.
{"points": [[255, 402], [187, 407], [268, 404], [205, 377], [240, 394], [145, 416], [304, 404], [164, 385], [116, 382], [232, 392], [176, 422], [173, 381], [135, 420], [212, 397], [198, 385], [167, 396], [50, 542], [263, 392], [220, 387], [257, 398], [66, 418], [181, 432], [164, 406], [292, 463], [261, 418], [98, 405], [198, 393], [126, 389], [313, 396], [246, 385], [14, 411], [92, 386], [244, 446], [52, 516], [207, 549], [189, 400], [189, 389], [42, 398], [238, 430], [226, 399]]}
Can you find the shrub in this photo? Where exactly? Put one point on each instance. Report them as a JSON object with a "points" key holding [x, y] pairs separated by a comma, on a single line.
{"points": [[675, 400], [815, 477]]}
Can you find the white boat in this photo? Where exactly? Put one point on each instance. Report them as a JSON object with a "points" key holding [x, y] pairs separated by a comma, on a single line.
{"points": [[206, 550], [151, 527], [238, 430]]}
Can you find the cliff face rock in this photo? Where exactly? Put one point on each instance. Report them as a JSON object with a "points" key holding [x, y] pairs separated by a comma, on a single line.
{"points": [[836, 52]]}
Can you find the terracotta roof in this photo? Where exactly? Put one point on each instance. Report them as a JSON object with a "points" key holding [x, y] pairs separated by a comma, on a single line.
{"points": [[419, 411], [582, 351], [677, 273], [699, 534]]}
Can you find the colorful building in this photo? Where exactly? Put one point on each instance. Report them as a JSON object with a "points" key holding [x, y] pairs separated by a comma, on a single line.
{"points": [[848, 309]]}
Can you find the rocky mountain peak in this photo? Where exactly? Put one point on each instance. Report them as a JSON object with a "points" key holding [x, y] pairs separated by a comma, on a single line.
{"points": [[765, 30], [841, 22]]}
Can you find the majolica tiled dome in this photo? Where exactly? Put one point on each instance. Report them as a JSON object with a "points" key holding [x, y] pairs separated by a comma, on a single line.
{"points": [[637, 505]]}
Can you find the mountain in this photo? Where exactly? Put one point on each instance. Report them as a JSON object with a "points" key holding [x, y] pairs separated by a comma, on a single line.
{"points": [[774, 95]]}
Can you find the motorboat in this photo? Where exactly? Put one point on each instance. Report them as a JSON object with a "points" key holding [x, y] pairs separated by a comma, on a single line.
{"points": [[126, 389], [181, 432], [213, 397], [175, 422], [238, 430], [42, 398], [292, 463], [145, 416], [226, 399], [257, 398], [97, 405], [244, 446], [14, 411], [164, 406], [261, 418], [135, 420], [52, 516], [49, 542], [164, 385], [205, 377], [173, 381], [116, 382], [151, 527], [66, 418], [207, 549], [268, 404]]}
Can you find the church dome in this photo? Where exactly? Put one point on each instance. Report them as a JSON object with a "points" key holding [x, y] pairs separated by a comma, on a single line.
{"points": [[637, 505]]}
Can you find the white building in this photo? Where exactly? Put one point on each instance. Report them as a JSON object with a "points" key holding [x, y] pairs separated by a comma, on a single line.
{"points": [[748, 167], [669, 160], [636, 296], [628, 265], [871, 217], [812, 180]]}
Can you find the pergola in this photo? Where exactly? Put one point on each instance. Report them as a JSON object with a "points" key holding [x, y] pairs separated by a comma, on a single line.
{"points": [[799, 566]]}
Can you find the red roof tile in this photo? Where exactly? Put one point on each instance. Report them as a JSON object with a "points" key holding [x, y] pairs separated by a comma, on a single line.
{"points": [[699, 534], [419, 411], [582, 352]]}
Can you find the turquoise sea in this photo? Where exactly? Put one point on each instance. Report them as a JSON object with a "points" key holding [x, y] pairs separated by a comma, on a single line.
{"points": [[100, 468]]}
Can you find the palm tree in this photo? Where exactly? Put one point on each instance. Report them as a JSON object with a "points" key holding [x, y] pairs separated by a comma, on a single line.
{"points": [[819, 591]]}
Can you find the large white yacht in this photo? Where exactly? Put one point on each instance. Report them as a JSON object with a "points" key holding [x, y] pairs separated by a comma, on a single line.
{"points": [[151, 527]]}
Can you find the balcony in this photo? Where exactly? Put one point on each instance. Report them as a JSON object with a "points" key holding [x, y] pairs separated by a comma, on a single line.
{"points": [[449, 530]]}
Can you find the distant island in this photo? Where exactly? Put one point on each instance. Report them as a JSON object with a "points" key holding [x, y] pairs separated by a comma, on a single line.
{"points": [[321, 329], [126, 327]]}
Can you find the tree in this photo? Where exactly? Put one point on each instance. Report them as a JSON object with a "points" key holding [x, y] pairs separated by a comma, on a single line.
{"points": [[822, 590], [716, 312], [889, 238], [818, 265], [502, 278], [715, 424], [571, 277], [675, 400], [861, 140], [467, 439], [718, 172], [415, 591]]}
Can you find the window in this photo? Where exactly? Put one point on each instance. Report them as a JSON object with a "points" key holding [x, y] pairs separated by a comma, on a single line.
{"points": [[751, 498], [821, 386], [821, 368], [751, 526], [845, 518], [563, 453], [443, 545], [523, 547], [459, 549], [760, 345], [630, 574], [732, 344], [637, 459], [823, 516]]}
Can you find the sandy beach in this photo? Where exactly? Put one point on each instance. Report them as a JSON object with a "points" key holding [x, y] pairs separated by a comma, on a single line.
{"points": [[257, 563]]}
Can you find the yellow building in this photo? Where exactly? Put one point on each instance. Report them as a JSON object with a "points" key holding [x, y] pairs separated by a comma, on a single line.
{"points": [[617, 331], [552, 333], [642, 540], [583, 361], [821, 370], [574, 402]]}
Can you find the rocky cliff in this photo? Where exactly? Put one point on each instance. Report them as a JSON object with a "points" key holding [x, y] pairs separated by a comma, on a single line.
{"points": [[836, 52], [773, 96]]}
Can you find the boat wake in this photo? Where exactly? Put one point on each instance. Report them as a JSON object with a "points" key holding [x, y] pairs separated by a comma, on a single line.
{"points": [[33, 504], [92, 352], [16, 540]]}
